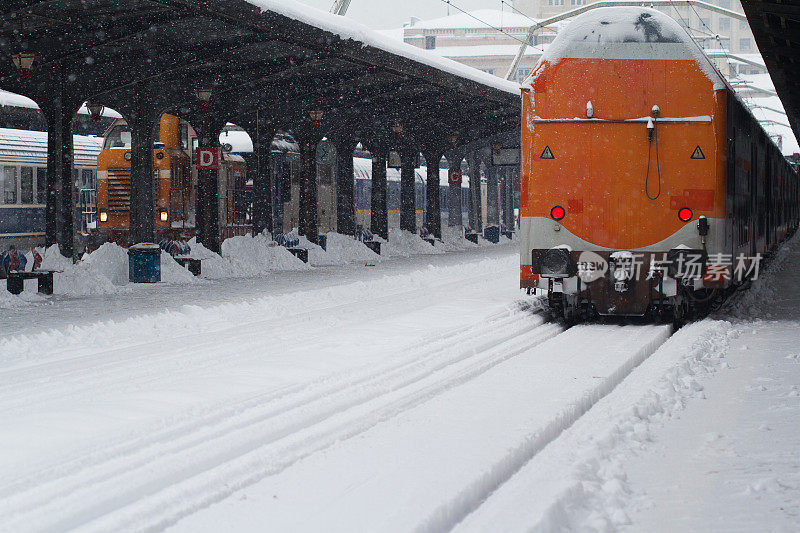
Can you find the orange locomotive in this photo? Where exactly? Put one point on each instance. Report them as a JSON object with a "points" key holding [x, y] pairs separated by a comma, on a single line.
{"points": [[647, 187], [176, 184]]}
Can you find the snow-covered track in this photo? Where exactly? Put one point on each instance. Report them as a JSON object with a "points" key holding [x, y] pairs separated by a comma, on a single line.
{"points": [[256, 438], [148, 355], [436, 461]]}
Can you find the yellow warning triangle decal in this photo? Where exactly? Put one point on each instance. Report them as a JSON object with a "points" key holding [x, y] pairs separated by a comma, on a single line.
{"points": [[698, 153], [547, 154]]}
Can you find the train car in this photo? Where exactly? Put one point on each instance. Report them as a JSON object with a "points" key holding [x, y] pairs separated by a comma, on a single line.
{"points": [[362, 168], [647, 187], [23, 182], [176, 184]]}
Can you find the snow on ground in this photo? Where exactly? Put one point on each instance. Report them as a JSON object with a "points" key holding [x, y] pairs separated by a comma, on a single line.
{"points": [[702, 436], [422, 393]]}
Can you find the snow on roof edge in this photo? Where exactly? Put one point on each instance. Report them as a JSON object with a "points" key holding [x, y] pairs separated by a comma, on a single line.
{"points": [[350, 29]]}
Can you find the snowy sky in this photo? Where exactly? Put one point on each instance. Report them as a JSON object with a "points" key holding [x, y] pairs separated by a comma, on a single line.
{"points": [[381, 14]]}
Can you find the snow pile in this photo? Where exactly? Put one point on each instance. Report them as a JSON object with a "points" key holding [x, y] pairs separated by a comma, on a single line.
{"points": [[758, 297], [244, 256], [94, 275], [104, 271], [345, 249], [405, 244]]}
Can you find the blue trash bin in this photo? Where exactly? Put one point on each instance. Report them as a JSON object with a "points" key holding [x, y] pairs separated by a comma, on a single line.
{"points": [[144, 263], [492, 234]]}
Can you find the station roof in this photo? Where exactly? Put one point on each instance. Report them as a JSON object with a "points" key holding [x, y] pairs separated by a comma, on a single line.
{"points": [[776, 28], [259, 56]]}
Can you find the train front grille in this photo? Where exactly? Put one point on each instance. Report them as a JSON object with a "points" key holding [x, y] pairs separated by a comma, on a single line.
{"points": [[119, 190]]}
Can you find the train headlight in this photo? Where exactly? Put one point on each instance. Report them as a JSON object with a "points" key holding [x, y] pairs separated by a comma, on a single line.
{"points": [[103, 215], [557, 212], [685, 214], [163, 215]]}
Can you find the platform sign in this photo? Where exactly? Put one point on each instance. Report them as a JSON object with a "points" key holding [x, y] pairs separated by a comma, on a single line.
{"points": [[454, 176], [505, 157], [209, 158]]}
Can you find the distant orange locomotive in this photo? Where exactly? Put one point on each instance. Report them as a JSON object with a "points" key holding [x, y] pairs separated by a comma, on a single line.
{"points": [[646, 186], [175, 184]]}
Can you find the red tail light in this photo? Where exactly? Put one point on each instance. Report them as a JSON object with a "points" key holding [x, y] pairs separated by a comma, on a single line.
{"points": [[557, 212], [685, 214]]}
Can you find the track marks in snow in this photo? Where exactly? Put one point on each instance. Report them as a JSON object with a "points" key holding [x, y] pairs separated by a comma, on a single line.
{"points": [[209, 457]]}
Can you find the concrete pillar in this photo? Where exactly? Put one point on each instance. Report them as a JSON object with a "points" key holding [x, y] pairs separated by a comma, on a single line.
{"points": [[454, 215], [408, 209], [262, 178], [345, 186], [60, 202], [504, 196], [207, 208], [308, 186], [492, 196], [475, 204], [142, 214], [60, 205], [433, 207], [379, 216]]}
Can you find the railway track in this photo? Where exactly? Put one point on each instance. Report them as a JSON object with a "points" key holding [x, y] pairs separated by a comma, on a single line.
{"points": [[256, 438], [174, 468]]}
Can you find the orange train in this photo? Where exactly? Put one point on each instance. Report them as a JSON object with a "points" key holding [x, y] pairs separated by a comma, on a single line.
{"points": [[175, 184], [647, 187]]}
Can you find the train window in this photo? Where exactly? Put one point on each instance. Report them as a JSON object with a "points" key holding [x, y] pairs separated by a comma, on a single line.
{"points": [[9, 185], [87, 178], [41, 185], [118, 137], [26, 185], [195, 145], [184, 134]]}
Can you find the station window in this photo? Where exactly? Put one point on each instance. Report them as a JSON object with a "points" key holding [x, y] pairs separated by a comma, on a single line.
{"points": [[743, 25], [41, 185], [184, 133], [430, 42], [724, 24], [9, 185], [26, 185], [725, 4], [744, 44]]}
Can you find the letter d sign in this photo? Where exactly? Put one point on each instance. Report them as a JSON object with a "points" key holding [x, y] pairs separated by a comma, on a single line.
{"points": [[208, 158]]}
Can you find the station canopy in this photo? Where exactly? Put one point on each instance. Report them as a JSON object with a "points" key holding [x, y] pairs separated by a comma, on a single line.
{"points": [[259, 57]]}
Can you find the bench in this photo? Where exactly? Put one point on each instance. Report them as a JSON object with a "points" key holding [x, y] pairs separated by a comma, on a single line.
{"points": [[15, 280], [191, 263], [472, 237], [430, 241], [375, 246], [300, 253]]}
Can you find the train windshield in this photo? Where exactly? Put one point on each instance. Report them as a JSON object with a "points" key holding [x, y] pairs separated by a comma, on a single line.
{"points": [[118, 137]]}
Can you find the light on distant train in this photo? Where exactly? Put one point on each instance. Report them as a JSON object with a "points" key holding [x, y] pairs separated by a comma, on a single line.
{"points": [[163, 215], [103, 215]]}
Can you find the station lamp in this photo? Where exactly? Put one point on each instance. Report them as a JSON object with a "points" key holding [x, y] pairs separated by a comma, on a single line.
{"points": [[95, 110], [204, 94], [496, 147], [24, 62], [452, 139], [397, 129], [316, 116]]}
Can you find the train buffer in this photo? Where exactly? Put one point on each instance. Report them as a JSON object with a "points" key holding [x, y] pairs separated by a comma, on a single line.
{"points": [[300, 253], [15, 280]]}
